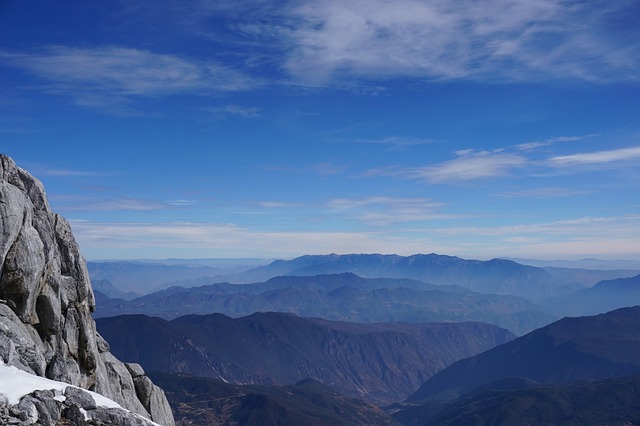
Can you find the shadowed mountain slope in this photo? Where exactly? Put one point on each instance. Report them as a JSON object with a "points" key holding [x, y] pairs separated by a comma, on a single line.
{"points": [[572, 349], [379, 363], [603, 402], [200, 401]]}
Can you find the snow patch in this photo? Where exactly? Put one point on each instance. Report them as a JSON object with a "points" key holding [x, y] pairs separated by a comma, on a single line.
{"points": [[15, 384]]}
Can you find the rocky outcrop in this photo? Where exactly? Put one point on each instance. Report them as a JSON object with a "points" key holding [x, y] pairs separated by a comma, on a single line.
{"points": [[69, 407], [46, 327]]}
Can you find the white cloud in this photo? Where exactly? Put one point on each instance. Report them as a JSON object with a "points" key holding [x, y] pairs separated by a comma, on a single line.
{"points": [[90, 203], [383, 211], [607, 237], [97, 76], [529, 146], [553, 192], [492, 39], [235, 110], [64, 172], [614, 227], [130, 240], [599, 157], [396, 142], [470, 165]]}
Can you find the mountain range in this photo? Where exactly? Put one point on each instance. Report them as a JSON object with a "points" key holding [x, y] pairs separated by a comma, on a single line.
{"points": [[378, 363], [341, 297], [497, 276]]}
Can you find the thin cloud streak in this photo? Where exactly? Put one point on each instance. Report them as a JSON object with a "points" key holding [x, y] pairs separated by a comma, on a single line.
{"points": [[618, 226], [227, 240], [384, 211], [120, 204], [543, 193], [589, 236], [92, 74], [599, 157], [469, 166], [234, 111]]}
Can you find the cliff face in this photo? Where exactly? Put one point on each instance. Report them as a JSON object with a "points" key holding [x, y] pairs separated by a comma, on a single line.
{"points": [[46, 302]]}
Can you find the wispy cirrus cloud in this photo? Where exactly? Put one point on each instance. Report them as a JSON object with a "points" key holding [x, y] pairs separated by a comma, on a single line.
{"points": [[383, 211], [395, 142], [234, 111], [468, 166], [598, 157], [190, 239], [96, 76], [86, 203], [533, 159], [65, 172], [494, 39], [553, 192], [530, 146], [607, 237]]}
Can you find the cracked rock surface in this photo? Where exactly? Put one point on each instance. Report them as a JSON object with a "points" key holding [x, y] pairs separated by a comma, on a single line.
{"points": [[46, 301]]}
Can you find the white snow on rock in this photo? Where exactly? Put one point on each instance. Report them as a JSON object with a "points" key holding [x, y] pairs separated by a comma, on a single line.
{"points": [[15, 383]]}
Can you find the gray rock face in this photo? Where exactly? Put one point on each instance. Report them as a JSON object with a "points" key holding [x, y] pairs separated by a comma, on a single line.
{"points": [[74, 407], [46, 302]]}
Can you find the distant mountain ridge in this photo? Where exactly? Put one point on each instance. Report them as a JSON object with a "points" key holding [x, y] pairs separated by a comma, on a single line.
{"points": [[341, 297], [497, 276], [376, 362], [571, 349], [602, 297]]}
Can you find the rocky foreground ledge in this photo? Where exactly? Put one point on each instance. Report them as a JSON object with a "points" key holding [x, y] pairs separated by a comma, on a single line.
{"points": [[46, 300]]}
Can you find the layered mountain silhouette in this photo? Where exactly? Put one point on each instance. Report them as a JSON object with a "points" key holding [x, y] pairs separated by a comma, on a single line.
{"points": [[602, 297], [569, 350], [379, 363], [497, 276], [342, 297]]}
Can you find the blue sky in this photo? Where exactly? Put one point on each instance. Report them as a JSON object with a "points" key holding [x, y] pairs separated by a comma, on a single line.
{"points": [[476, 128]]}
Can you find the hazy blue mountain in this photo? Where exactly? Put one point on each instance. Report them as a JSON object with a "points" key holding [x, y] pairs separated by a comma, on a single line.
{"points": [[343, 297], [379, 363], [206, 401], [230, 265], [109, 290], [497, 276], [592, 264], [571, 349], [522, 402], [603, 297], [144, 277], [588, 277]]}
